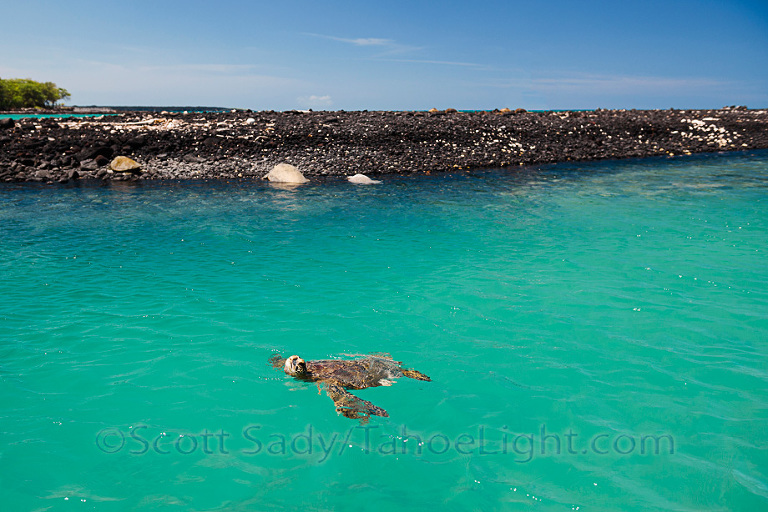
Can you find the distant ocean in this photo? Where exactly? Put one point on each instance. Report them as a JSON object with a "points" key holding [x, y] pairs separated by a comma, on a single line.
{"points": [[596, 335], [177, 110], [65, 114], [47, 116]]}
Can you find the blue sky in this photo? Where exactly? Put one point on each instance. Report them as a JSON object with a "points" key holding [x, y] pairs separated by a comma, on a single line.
{"points": [[393, 55]]}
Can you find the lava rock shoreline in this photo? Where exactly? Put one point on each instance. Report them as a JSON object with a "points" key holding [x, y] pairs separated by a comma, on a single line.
{"points": [[246, 145]]}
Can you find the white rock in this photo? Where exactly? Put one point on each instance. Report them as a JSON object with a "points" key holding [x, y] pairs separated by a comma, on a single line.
{"points": [[285, 173], [250, 120], [362, 179]]}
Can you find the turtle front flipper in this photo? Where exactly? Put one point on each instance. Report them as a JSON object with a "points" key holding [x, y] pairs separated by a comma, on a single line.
{"points": [[413, 374], [277, 361], [350, 406]]}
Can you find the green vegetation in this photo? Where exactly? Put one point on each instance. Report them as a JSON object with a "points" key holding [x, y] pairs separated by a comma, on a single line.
{"points": [[26, 93]]}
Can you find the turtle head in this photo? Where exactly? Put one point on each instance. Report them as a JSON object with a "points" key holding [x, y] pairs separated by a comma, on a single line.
{"points": [[295, 366]]}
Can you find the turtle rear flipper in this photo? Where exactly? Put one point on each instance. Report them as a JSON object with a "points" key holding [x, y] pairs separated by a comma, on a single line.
{"points": [[413, 374], [350, 406]]}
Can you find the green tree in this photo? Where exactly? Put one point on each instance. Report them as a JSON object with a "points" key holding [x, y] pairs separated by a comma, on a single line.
{"points": [[32, 94], [26, 93], [52, 94], [4, 95]]}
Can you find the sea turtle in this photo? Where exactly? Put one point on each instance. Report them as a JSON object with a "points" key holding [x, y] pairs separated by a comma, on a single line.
{"points": [[339, 375]]}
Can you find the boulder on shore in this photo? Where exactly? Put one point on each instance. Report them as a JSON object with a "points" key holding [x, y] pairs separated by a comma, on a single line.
{"points": [[362, 179], [89, 165], [124, 164], [285, 173]]}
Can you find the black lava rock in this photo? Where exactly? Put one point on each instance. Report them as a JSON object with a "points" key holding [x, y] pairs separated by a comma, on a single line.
{"points": [[247, 144], [93, 152]]}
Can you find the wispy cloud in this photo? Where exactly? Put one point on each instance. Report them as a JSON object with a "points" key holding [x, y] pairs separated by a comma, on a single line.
{"points": [[315, 101], [113, 83], [8, 72], [181, 70], [438, 62], [223, 69], [621, 84], [363, 41], [389, 46], [170, 69]]}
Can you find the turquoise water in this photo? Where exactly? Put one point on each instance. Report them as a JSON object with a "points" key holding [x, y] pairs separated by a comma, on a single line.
{"points": [[48, 116], [596, 335]]}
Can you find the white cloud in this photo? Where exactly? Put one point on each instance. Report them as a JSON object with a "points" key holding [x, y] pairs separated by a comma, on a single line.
{"points": [[365, 41], [315, 101], [360, 41], [389, 45], [438, 62]]}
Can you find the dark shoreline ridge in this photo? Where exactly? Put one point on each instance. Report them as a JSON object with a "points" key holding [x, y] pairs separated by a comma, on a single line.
{"points": [[244, 144]]}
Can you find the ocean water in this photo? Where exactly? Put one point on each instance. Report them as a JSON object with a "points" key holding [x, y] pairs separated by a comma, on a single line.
{"points": [[49, 116], [596, 335]]}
